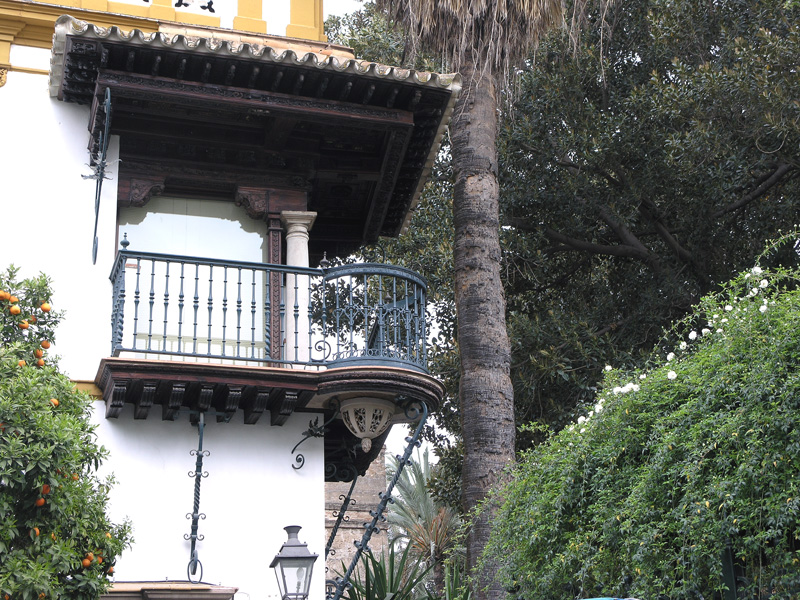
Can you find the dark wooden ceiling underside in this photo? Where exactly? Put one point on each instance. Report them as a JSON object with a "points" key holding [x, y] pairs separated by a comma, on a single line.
{"points": [[356, 145]]}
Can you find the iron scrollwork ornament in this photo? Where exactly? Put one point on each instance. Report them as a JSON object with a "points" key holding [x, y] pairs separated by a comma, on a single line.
{"points": [[314, 430], [196, 515]]}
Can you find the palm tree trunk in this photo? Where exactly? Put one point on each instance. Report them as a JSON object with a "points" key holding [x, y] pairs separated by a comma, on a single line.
{"points": [[486, 394]]}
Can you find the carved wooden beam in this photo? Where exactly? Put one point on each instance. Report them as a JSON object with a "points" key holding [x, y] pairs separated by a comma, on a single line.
{"points": [[187, 93], [145, 400], [282, 405], [231, 402], [173, 403], [255, 406], [115, 394]]}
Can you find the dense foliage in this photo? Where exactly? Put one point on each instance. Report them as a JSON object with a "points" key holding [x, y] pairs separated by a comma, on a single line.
{"points": [[643, 164], [392, 574], [55, 538], [694, 458], [642, 167]]}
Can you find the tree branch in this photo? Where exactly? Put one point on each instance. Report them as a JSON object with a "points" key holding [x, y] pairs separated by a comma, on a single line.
{"points": [[584, 246], [769, 182], [623, 233]]}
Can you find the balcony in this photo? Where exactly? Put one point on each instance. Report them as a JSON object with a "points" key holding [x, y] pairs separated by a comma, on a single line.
{"points": [[195, 334]]}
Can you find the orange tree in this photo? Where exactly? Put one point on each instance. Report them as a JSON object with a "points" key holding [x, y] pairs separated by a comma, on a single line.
{"points": [[56, 540]]}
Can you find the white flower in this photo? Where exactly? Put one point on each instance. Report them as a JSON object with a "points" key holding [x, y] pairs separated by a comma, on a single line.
{"points": [[670, 356], [617, 390], [763, 308], [705, 331], [692, 335], [581, 419], [747, 276], [598, 408], [635, 387], [642, 376], [672, 375], [608, 367], [682, 345], [591, 412], [764, 283], [719, 330], [583, 429], [724, 321], [728, 307], [756, 270], [752, 292]]}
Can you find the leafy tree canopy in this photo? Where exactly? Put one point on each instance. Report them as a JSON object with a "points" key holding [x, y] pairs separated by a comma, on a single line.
{"points": [[641, 171], [642, 166], [680, 467], [55, 538]]}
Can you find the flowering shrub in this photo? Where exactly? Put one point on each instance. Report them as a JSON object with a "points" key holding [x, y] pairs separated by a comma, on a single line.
{"points": [[55, 538], [674, 466]]}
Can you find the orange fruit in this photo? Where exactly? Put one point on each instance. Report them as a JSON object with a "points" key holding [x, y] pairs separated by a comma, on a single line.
{"points": [[99, 560], [75, 477], [13, 299], [45, 489], [4, 295], [86, 563], [21, 363], [36, 531], [15, 310], [41, 596], [38, 353], [32, 318], [110, 572], [53, 535], [54, 402], [39, 502], [45, 344], [90, 556], [23, 324], [40, 362], [108, 535], [45, 307]]}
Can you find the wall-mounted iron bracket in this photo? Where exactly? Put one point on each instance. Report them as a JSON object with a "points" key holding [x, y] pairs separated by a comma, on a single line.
{"points": [[196, 515]]}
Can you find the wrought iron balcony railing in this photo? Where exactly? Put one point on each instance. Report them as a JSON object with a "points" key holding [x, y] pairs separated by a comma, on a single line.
{"points": [[201, 309]]}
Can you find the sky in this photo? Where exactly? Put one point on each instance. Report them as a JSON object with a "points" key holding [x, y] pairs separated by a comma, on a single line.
{"points": [[339, 7]]}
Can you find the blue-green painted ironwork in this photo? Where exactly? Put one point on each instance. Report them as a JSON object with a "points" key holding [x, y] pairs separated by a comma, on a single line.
{"points": [[365, 314], [196, 515], [341, 515], [413, 411], [99, 164], [314, 430]]}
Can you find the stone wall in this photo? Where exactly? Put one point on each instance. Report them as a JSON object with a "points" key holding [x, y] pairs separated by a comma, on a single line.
{"points": [[350, 531]]}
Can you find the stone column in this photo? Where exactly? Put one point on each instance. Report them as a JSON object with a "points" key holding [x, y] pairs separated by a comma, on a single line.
{"points": [[296, 317]]}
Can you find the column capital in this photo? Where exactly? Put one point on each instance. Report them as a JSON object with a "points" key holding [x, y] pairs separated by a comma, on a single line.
{"points": [[297, 221]]}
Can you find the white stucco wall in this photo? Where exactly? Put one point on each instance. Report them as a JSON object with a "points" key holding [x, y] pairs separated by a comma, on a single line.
{"points": [[48, 214], [251, 493]]}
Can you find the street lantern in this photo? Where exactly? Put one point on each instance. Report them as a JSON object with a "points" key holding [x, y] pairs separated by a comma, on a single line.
{"points": [[293, 566]]}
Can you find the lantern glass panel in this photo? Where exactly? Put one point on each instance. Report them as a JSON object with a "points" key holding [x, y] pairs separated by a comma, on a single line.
{"points": [[294, 577]]}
